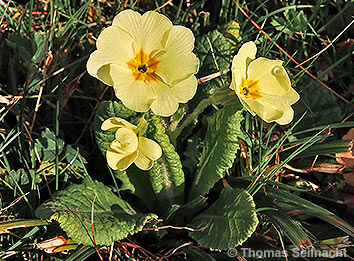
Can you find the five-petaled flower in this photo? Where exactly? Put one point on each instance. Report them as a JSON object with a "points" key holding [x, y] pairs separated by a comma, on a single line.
{"points": [[128, 147], [263, 86], [147, 60]]}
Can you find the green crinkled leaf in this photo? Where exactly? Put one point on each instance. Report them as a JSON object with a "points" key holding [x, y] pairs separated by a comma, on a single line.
{"points": [[219, 148], [228, 222], [166, 176], [21, 177], [45, 145], [192, 151], [322, 107], [213, 51], [40, 41], [140, 181], [113, 218], [22, 45], [106, 110], [295, 22], [215, 54], [74, 157], [231, 31]]}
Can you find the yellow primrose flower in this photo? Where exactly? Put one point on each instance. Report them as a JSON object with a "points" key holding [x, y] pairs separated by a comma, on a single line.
{"points": [[128, 147], [263, 86], [148, 61]]}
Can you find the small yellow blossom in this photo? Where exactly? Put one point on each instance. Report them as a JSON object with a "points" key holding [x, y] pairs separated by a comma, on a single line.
{"points": [[128, 147], [148, 61], [263, 86]]}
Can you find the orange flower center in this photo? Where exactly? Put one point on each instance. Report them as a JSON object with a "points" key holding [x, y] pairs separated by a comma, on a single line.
{"points": [[250, 89], [143, 67]]}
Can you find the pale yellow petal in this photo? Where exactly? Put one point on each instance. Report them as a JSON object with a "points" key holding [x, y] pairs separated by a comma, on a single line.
{"points": [[271, 75], [165, 104], [177, 62], [104, 74], [98, 66], [120, 161], [184, 90], [151, 149], [136, 95], [246, 105], [114, 46], [235, 85], [291, 96], [179, 40], [113, 157], [154, 27], [143, 162], [148, 30], [116, 43], [268, 112], [112, 124], [127, 139], [236, 80], [125, 162], [173, 68], [129, 21], [287, 116], [244, 56], [117, 147]]}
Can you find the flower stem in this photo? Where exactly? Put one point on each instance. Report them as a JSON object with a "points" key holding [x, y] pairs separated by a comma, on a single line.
{"points": [[221, 96]]}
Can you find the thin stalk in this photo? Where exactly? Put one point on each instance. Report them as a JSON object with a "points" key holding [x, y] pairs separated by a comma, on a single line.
{"points": [[30, 17], [303, 147], [57, 141], [114, 179], [260, 130], [218, 97]]}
